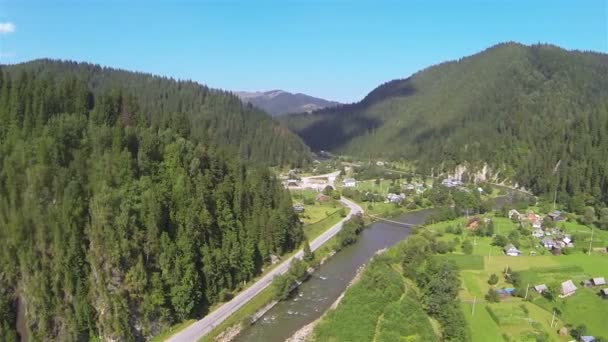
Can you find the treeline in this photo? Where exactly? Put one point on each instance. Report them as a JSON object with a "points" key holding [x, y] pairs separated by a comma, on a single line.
{"points": [[121, 215], [438, 281], [537, 115]]}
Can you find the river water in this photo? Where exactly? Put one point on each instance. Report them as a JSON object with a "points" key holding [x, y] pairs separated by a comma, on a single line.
{"points": [[326, 284]]}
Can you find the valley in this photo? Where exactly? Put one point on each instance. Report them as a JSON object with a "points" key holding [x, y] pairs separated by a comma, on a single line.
{"points": [[464, 198]]}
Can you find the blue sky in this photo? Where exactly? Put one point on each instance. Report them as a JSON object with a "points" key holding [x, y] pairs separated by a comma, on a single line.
{"points": [[333, 49]]}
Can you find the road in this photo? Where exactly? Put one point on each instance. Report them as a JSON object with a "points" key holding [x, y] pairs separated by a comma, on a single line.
{"points": [[202, 327]]}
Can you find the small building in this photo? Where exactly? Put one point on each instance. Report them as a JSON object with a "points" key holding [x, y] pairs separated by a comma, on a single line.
{"points": [[292, 182], [604, 293], [323, 198], [350, 183], [511, 250], [473, 223], [538, 233], [548, 243], [298, 208], [379, 163], [395, 198], [600, 281], [514, 214], [556, 215], [568, 288], [587, 339], [541, 288]]}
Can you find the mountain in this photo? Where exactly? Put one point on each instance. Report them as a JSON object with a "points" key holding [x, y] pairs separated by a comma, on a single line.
{"points": [[534, 115], [130, 202], [279, 102]]}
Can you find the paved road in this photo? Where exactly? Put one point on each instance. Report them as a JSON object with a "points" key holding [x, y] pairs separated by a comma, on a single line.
{"points": [[202, 327]]}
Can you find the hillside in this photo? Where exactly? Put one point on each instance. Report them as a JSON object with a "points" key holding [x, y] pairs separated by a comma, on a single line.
{"points": [[518, 108], [279, 102], [124, 204], [203, 114]]}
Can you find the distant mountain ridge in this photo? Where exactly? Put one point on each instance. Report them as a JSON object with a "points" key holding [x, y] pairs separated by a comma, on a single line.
{"points": [[279, 102]]}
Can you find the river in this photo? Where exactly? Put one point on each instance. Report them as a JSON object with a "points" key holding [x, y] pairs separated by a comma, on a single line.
{"points": [[326, 284]]}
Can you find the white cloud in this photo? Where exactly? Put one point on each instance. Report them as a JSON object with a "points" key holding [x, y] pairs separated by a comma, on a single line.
{"points": [[7, 27]]}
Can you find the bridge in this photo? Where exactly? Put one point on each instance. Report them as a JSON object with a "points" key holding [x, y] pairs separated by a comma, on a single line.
{"points": [[403, 224]]}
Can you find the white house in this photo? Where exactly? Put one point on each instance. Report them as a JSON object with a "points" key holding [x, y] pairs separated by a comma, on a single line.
{"points": [[511, 250], [395, 198], [600, 281], [350, 183], [541, 288]]}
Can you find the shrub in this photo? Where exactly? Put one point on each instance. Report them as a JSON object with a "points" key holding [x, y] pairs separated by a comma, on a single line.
{"points": [[493, 279]]}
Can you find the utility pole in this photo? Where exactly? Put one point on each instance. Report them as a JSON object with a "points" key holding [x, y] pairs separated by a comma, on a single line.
{"points": [[590, 242], [553, 319], [527, 288], [474, 302]]}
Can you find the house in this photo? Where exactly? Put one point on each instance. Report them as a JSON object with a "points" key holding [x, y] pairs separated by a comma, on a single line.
{"points": [[292, 182], [323, 198], [473, 223], [568, 288], [541, 288], [556, 215], [379, 163], [451, 183], [600, 281], [511, 250], [604, 293], [514, 214], [395, 198], [538, 233], [587, 339], [548, 243], [567, 240], [350, 183], [298, 208]]}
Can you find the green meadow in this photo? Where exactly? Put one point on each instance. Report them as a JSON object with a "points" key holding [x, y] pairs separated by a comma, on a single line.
{"points": [[508, 320]]}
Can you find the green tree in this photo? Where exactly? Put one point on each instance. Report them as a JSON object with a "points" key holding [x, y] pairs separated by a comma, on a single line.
{"points": [[309, 256], [493, 279], [492, 296]]}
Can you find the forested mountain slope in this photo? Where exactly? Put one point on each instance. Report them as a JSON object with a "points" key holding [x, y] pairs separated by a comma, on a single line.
{"points": [[521, 109], [200, 113], [123, 208]]}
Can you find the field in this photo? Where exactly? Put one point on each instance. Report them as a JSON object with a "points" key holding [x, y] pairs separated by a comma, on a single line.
{"points": [[508, 320], [314, 211]]}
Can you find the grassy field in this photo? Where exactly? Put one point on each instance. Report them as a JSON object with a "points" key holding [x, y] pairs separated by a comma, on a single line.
{"points": [[311, 231], [515, 323]]}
